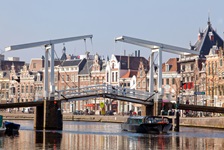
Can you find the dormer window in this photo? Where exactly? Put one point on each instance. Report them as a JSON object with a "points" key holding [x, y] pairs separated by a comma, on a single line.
{"points": [[167, 67], [211, 36]]}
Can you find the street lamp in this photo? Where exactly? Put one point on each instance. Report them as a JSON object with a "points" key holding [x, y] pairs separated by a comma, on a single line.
{"points": [[123, 101]]}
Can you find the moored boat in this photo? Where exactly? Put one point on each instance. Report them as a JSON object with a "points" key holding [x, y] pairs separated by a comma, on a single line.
{"points": [[11, 126], [2, 128], [147, 124]]}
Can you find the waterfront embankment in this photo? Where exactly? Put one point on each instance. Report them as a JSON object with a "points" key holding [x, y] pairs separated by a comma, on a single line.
{"points": [[206, 122]]}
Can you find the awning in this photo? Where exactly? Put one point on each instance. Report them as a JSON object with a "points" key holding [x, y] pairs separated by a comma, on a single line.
{"points": [[89, 105]]}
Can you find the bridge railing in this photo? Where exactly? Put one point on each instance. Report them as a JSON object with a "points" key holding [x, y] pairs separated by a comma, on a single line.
{"points": [[123, 91], [82, 91], [103, 89]]}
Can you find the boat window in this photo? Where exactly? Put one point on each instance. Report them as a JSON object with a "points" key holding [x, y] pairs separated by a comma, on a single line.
{"points": [[134, 121], [139, 121]]}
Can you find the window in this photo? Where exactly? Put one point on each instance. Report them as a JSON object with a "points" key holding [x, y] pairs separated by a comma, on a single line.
{"points": [[183, 67], [107, 77], [173, 81], [192, 67], [7, 95], [26, 88], [34, 65], [112, 65], [31, 89], [116, 77], [67, 78], [220, 62], [112, 76], [7, 85], [3, 85], [167, 67], [22, 89], [62, 78], [73, 77], [167, 81], [192, 79], [13, 90]]}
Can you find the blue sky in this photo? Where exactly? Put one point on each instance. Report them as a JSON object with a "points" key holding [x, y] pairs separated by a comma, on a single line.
{"points": [[174, 22]]}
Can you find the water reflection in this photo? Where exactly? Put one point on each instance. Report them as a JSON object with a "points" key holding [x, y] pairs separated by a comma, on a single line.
{"points": [[48, 139], [88, 135], [11, 133]]}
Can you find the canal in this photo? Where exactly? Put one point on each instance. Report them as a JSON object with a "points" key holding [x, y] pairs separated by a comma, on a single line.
{"points": [[108, 136]]}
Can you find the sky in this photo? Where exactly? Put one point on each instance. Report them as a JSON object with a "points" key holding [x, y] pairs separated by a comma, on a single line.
{"points": [[173, 22]]}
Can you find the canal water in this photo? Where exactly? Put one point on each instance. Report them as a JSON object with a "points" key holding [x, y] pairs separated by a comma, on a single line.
{"points": [[108, 136]]}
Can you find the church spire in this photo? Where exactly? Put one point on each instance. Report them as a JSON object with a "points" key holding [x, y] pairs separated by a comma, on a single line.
{"points": [[64, 49], [209, 22]]}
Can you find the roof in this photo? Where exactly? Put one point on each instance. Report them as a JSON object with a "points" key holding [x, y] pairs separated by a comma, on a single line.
{"points": [[130, 74], [72, 62], [205, 43], [86, 69], [173, 65], [133, 62], [6, 65], [63, 57]]}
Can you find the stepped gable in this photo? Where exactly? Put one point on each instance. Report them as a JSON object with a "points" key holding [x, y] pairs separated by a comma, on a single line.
{"points": [[133, 62], [206, 40]]}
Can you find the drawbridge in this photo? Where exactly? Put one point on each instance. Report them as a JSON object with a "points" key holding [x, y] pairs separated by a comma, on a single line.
{"points": [[106, 91]]}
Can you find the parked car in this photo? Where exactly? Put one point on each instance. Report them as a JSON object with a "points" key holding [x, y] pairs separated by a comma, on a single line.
{"points": [[78, 112], [29, 110], [110, 112], [91, 112]]}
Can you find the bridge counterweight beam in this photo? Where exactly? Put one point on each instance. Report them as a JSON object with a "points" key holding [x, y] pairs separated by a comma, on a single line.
{"points": [[52, 86], [46, 92], [151, 78]]}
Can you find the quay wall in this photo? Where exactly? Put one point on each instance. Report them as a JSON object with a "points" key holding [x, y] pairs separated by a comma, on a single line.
{"points": [[206, 122]]}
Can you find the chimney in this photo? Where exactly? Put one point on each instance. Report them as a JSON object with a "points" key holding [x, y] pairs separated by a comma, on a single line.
{"points": [[138, 53], [124, 52], [135, 53]]}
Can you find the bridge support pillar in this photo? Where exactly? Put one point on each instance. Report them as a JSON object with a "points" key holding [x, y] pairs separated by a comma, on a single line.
{"points": [[147, 110], [157, 108], [49, 116]]}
